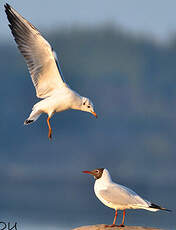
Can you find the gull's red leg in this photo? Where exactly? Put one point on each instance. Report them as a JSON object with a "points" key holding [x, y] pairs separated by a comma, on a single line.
{"points": [[115, 218], [113, 225], [50, 130], [123, 220]]}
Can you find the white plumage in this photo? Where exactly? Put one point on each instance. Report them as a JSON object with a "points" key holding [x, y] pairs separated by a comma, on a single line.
{"points": [[118, 196], [45, 71]]}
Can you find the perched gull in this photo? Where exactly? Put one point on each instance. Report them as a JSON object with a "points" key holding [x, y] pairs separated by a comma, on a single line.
{"points": [[45, 72], [118, 196]]}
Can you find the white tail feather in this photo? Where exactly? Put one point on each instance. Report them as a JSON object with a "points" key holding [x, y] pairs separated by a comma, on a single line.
{"points": [[33, 117]]}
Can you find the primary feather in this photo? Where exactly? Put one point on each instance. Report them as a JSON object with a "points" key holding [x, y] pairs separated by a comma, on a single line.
{"points": [[37, 52]]}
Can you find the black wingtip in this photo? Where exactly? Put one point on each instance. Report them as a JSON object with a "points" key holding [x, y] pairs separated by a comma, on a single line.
{"points": [[155, 206], [168, 210], [26, 122], [7, 6]]}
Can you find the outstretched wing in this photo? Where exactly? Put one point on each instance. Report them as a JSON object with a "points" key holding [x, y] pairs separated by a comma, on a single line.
{"points": [[120, 195], [37, 52]]}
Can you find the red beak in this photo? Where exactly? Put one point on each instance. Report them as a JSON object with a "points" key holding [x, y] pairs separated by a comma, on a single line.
{"points": [[89, 172], [95, 114]]}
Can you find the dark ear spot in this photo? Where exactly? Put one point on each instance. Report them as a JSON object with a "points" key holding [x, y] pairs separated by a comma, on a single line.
{"points": [[99, 173]]}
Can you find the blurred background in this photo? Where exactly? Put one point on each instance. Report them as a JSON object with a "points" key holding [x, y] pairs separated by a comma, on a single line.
{"points": [[122, 55]]}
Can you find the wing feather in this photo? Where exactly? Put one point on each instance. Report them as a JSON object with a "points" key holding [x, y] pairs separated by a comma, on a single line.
{"points": [[37, 52], [120, 195]]}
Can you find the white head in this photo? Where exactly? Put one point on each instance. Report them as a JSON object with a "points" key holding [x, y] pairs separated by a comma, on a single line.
{"points": [[87, 106]]}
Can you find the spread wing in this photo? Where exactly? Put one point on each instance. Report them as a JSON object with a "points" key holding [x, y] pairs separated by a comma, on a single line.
{"points": [[37, 52], [120, 195]]}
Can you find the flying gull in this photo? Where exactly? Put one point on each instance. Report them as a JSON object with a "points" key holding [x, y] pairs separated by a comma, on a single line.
{"points": [[45, 72]]}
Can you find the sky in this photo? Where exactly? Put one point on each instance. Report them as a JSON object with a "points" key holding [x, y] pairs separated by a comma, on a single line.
{"points": [[34, 183], [151, 17]]}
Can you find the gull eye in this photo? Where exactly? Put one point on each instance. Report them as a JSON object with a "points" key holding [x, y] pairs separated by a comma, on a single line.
{"points": [[84, 103], [97, 171], [88, 106]]}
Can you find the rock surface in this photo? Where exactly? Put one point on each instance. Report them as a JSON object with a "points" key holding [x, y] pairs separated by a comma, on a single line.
{"points": [[102, 227]]}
